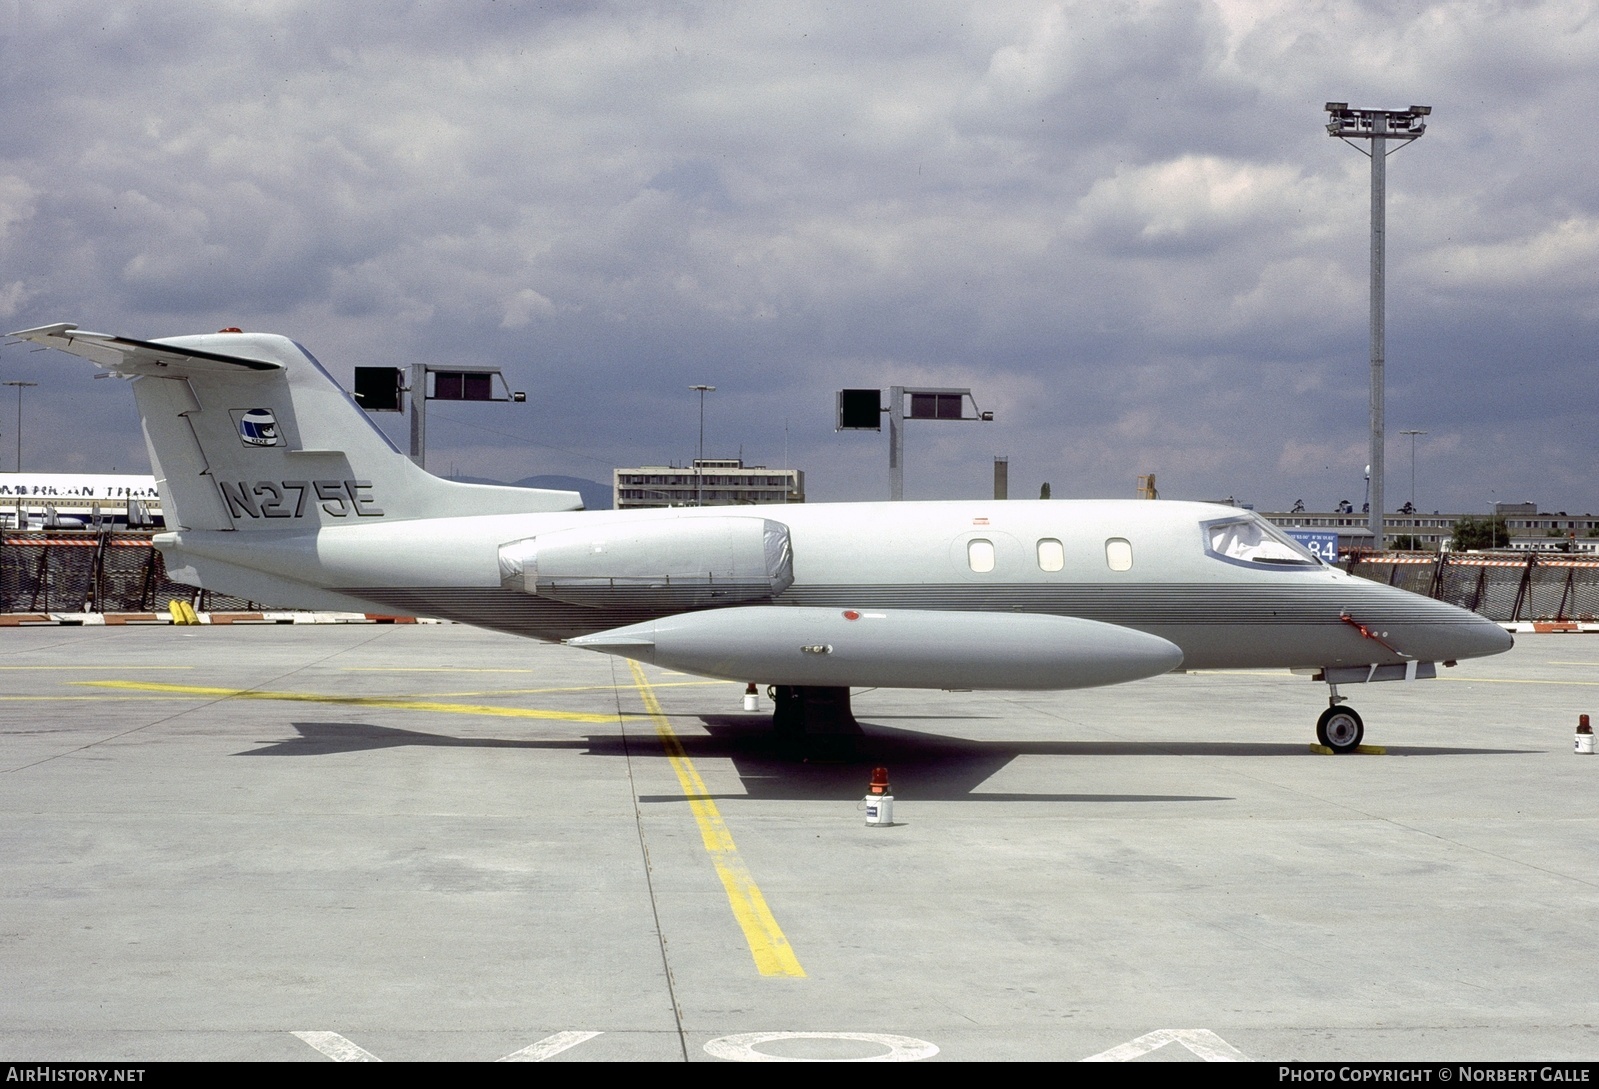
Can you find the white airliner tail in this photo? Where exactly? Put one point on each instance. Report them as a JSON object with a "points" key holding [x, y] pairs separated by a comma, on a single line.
{"points": [[246, 431]]}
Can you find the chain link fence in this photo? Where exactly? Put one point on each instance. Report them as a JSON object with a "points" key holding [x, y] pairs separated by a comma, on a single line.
{"points": [[1537, 586], [71, 571]]}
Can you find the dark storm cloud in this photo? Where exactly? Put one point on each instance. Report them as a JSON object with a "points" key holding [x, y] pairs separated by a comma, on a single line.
{"points": [[1121, 224]]}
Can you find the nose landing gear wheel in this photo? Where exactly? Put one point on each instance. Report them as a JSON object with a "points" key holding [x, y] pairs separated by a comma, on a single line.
{"points": [[1340, 729]]}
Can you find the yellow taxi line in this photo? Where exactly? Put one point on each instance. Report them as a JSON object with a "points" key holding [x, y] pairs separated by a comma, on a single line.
{"points": [[768, 944], [351, 701]]}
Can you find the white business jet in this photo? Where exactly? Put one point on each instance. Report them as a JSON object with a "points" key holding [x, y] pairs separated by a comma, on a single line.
{"points": [[277, 487]]}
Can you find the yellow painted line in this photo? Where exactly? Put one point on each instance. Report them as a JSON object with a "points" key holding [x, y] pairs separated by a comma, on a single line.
{"points": [[544, 691], [353, 701], [428, 669], [446, 669], [1364, 750], [768, 945]]}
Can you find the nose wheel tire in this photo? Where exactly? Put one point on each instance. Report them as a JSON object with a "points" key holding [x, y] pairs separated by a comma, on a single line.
{"points": [[1340, 729]]}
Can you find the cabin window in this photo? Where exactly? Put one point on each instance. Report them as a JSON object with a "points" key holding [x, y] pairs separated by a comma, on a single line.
{"points": [[980, 555], [1051, 555], [1119, 554]]}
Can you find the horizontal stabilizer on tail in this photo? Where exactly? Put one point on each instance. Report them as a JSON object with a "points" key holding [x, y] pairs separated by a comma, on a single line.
{"points": [[124, 355], [247, 431]]}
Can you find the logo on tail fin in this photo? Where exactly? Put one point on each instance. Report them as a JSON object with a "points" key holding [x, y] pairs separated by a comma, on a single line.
{"points": [[258, 427]]}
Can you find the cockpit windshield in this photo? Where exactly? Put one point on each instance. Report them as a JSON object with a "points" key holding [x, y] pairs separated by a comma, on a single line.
{"points": [[1253, 540]]}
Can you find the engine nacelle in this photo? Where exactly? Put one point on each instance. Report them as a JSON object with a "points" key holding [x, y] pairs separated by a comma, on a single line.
{"points": [[664, 563]]}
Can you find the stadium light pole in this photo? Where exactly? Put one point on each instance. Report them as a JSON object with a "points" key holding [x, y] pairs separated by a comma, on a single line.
{"points": [[20, 387], [1379, 127], [1413, 435], [699, 490], [21, 521]]}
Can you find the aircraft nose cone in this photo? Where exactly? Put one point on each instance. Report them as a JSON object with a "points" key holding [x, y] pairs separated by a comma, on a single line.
{"points": [[1495, 639], [1436, 631], [1477, 638]]}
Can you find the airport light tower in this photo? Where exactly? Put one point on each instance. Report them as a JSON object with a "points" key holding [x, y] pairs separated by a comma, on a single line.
{"points": [[699, 490], [1379, 127], [20, 387], [1413, 433], [22, 522]]}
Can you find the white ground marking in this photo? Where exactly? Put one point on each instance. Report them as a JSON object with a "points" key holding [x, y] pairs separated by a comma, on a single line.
{"points": [[338, 1048], [550, 1045], [1202, 1042], [741, 1048]]}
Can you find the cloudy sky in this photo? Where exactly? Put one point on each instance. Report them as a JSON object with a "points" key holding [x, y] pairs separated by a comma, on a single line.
{"points": [[1122, 224]]}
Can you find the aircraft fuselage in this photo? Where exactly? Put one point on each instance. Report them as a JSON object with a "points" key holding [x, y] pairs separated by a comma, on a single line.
{"points": [[1137, 564]]}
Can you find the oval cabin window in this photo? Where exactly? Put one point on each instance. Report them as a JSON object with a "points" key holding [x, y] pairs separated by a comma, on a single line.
{"points": [[1051, 555], [980, 555], [1119, 554]]}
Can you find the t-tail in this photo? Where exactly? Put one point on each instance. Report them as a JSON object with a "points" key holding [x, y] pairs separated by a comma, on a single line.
{"points": [[247, 432]]}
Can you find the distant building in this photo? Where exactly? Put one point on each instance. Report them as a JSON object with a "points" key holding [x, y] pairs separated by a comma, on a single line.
{"points": [[710, 482], [1529, 530]]}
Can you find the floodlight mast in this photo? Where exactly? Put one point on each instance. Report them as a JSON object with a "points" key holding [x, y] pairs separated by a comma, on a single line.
{"points": [[1378, 126], [699, 490], [1413, 433], [20, 387], [22, 521]]}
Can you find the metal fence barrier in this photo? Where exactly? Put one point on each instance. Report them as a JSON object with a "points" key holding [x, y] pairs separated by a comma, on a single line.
{"points": [[1537, 586], [90, 571]]}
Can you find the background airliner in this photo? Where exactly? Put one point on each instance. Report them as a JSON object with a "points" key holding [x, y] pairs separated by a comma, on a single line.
{"points": [[279, 488]]}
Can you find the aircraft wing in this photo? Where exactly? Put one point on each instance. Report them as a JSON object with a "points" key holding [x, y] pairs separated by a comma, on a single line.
{"points": [[124, 355]]}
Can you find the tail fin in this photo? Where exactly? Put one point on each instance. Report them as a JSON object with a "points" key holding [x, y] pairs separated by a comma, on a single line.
{"points": [[246, 431]]}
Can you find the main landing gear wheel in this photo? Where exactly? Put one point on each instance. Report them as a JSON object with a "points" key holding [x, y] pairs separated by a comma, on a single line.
{"points": [[1340, 729]]}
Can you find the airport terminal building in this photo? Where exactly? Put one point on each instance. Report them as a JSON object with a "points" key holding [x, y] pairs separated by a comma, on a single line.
{"points": [[1530, 530], [706, 482]]}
